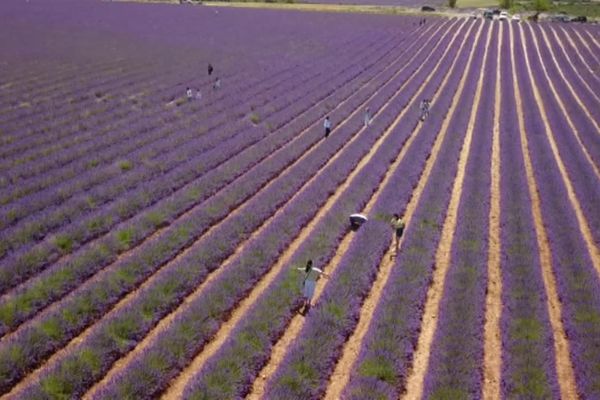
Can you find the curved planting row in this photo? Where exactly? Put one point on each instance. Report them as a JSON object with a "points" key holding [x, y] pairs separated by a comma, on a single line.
{"points": [[457, 347], [266, 320], [175, 338], [577, 281], [182, 279], [309, 362], [383, 363], [130, 271], [23, 302], [109, 191], [528, 356]]}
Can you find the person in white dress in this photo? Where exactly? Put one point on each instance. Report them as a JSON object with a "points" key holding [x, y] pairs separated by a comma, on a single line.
{"points": [[311, 275]]}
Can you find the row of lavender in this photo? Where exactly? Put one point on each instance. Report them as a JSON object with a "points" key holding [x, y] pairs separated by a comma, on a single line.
{"points": [[118, 282], [231, 371], [212, 183], [180, 279], [108, 191], [578, 283]]}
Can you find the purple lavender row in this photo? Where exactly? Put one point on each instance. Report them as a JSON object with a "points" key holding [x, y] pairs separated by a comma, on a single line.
{"points": [[92, 301], [573, 74], [582, 68], [584, 50], [312, 357], [386, 353], [586, 183], [235, 282], [457, 348], [102, 219], [59, 87], [58, 122], [578, 285], [249, 345], [528, 368], [189, 272], [85, 164]]}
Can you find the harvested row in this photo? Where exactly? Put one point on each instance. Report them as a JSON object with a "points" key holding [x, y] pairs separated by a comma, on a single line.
{"points": [[133, 268], [273, 312]]}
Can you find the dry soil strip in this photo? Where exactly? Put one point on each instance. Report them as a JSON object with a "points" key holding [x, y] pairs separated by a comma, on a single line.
{"points": [[416, 377], [564, 367], [56, 357], [492, 349], [291, 333], [164, 323], [591, 37], [178, 385], [123, 256], [341, 375], [584, 227], [585, 44], [562, 105], [568, 58]]}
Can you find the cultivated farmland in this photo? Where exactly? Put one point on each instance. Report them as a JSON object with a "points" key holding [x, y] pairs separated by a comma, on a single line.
{"points": [[150, 242]]}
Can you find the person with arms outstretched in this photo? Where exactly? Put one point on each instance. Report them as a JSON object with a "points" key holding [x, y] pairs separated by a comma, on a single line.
{"points": [[311, 275]]}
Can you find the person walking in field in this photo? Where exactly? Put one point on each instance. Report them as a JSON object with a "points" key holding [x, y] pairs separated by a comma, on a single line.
{"points": [[217, 84], [189, 93], [311, 275], [424, 109], [327, 126], [367, 118], [398, 226], [198, 94], [210, 69]]}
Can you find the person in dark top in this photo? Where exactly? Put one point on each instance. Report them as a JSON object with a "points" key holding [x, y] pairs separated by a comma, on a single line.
{"points": [[210, 69], [398, 226]]}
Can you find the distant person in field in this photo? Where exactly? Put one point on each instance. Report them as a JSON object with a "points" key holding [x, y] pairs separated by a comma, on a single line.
{"points": [[367, 118], [198, 94], [210, 69], [327, 126], [424, 109], [398, 226], [311, 275], [217, 84], [189, 93]]}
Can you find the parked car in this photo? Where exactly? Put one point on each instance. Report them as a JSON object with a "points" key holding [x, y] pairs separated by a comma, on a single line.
{"points": [[488, 14], [581, 18], [427, 8], [503, 16], [516, 17]]}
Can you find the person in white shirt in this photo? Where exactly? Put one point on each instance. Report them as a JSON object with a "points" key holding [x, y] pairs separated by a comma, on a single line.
{"points": [[327, 126], [189, 93], [367, 119], [311, 275], [217, 84], [198, 95]]}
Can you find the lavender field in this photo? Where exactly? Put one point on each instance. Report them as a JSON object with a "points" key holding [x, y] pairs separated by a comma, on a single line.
{"points": [[150, 242]]}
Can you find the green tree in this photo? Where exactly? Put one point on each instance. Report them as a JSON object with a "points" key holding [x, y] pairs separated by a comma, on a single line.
{"points": [[542, 5], [452, 3], [506, 4]]}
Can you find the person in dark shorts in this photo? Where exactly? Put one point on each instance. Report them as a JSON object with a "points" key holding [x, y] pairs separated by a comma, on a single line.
{"points": [[398, 226], [327, 126], [210, 69]]}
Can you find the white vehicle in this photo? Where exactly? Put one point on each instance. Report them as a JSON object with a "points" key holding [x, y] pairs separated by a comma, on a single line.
{"points": [[516, 17], [503, 16]]}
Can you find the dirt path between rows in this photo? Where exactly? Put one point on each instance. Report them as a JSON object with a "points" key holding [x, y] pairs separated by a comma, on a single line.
{"points": [[341, 375], [561, 103], [585, 44], [177, 387], [59, 355], [416, 377], [492, 347], [564, 367], [165, 322], [584, 226]]}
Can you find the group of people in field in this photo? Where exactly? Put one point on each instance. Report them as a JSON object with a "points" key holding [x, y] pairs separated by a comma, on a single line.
{"points": [[312, 274], [196, 94], [368, 118]]}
